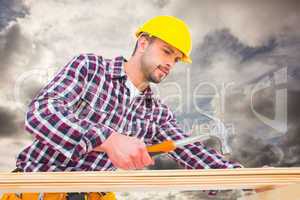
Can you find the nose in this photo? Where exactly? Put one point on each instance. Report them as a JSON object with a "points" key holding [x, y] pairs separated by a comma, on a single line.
{"points": [[170, 65]]}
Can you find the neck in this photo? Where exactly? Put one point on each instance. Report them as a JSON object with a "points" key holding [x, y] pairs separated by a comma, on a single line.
{"points": [[135, 74]]}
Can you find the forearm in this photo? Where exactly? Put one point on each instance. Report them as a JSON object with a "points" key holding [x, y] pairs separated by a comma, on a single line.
{"points": [[196, 156]]}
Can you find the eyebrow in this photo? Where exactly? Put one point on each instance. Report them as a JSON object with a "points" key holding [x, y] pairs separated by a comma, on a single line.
{"points": [[170, 49]]}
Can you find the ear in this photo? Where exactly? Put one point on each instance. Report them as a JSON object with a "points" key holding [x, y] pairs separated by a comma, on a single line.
{"points": [[143, 43]]}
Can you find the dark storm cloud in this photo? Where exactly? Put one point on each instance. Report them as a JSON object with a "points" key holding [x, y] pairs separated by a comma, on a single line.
{"points": [[8, 41], [12, 44], [250, 147], [291, 143], [8, 124], [224, 42], [10, 10], [223, 57], [255, 152]]}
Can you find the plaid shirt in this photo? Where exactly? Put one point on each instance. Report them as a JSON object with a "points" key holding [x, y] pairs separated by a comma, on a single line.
{"points": [[84, 103]]}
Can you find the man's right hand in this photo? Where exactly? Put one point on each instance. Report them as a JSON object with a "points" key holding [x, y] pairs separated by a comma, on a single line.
{"points": [[126, 152]]}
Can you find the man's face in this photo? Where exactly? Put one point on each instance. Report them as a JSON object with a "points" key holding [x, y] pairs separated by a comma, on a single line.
{"points": [[158, 59]]}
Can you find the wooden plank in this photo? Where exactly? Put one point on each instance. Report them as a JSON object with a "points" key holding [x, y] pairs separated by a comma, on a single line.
{"points": [[145, 180]]}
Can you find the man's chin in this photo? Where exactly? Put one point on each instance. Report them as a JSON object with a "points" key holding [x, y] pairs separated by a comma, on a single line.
{"points": [[154, 79]]}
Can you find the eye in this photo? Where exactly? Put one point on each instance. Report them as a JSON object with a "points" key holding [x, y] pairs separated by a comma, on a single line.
{"points": [[167, 51]]}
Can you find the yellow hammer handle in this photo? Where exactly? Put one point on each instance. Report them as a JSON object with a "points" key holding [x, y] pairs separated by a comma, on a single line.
{"points": [[165, 146]]}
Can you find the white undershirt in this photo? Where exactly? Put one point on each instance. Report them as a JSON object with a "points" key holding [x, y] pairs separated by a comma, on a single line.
{"points": [[134, 92]]}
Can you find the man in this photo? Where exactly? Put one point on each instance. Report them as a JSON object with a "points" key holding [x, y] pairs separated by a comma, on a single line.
{"points": [[100, 114]]}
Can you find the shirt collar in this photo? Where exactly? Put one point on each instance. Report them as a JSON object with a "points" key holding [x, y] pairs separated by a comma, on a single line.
{"points": [[148, 92], [116, 70]]}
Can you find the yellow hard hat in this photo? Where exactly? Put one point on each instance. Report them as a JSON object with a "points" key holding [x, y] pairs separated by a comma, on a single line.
{"points": [[171, 30]]}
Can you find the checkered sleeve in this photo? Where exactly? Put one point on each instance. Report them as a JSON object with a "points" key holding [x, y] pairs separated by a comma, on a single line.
{"points": [[51, 116], [191, 156]]}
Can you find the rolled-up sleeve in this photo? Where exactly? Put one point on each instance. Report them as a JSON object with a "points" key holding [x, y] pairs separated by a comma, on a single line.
{"points": [[51, 116]]}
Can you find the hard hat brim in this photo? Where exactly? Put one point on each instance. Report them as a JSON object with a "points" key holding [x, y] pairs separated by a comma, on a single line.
{"points": [[186, 59]]}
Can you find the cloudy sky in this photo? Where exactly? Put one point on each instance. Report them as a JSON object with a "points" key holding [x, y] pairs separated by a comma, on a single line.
{"points": [[238, 46]]}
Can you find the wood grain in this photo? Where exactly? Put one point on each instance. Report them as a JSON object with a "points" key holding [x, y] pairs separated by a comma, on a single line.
{"points": [[145, 180]]}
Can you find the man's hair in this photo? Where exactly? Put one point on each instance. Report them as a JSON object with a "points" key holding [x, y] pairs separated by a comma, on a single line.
{"points": [[147, 36]]}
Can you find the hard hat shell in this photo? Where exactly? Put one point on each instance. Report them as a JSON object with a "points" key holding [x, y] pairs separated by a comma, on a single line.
{"points": [[171, 30]]}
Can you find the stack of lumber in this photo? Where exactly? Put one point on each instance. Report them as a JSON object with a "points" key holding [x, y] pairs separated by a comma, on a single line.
{"points": [[143, 180]]}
